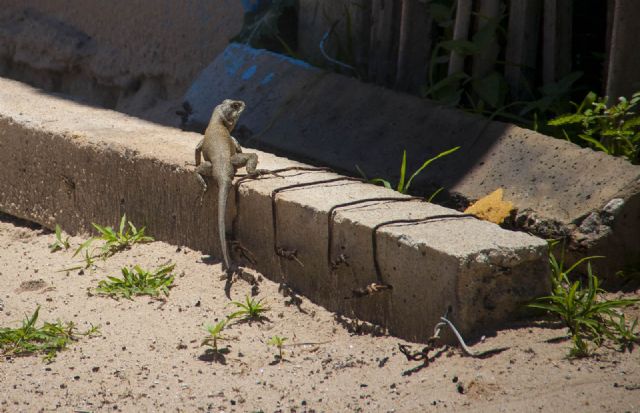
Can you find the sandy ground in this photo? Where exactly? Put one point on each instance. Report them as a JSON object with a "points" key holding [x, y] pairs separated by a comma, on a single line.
{"points": [[149, 358]]}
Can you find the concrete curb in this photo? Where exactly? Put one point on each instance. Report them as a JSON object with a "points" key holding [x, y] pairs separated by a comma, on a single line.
{"points": [[560, 190], [62, 162]]}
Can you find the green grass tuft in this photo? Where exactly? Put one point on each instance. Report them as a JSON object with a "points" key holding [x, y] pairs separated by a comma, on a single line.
{"points": [[249, 310], [48, 339], [125, 237], [590, 318], [137, 281], [59, 243]]}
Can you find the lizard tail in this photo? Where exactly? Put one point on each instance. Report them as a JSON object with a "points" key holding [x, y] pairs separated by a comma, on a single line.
{"points": [[223, 192]]}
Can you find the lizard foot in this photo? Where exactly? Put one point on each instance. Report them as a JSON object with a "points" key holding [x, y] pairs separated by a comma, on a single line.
{"points": [[237, 246], [204, 187], [231, 272]]}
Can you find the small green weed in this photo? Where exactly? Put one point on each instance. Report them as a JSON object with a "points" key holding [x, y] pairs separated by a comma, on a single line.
{"points": [[403, 187], [89, 262], [249, 310], [137, 281], [215, 335], [126, 236], [59, 243], [277, 342], [48, 339], [614, 130], [589, 317]]}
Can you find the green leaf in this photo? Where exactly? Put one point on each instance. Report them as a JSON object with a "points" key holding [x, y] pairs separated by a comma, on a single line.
{"points": [[403, 170], [582, 260], [587, 102], [567, 119], [384, 182], [84, 245], [562, 86], [492, 88], [596, 143], [122, 223], [434, 194], [427, 163], [449, 90], [461, 46], [486, 35]]}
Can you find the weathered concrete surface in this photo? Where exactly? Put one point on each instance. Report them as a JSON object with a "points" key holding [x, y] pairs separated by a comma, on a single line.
{"points": [[124, 54], [61, 162], [560, 190]]}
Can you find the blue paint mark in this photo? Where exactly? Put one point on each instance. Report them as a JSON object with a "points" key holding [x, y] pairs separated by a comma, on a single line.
{"points": [[237, 50], [232, 61], [248, 74], [268, 78]]}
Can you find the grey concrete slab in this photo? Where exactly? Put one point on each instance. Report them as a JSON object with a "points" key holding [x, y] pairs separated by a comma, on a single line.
{"points": [[560, 190], [62, 162]]}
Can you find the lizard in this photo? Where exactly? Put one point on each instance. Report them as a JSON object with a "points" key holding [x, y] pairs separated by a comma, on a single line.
{"points": [[223, 156]]}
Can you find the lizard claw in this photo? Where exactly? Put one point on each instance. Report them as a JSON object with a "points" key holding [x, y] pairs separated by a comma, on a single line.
{"points": [[236, 246]]}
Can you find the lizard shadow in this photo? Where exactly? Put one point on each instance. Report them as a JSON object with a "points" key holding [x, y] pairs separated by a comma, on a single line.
{"points": [[226, 276], [231, 277]]}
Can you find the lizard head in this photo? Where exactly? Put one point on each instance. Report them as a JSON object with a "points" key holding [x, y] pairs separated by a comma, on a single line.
{"points": [[230, 111]]}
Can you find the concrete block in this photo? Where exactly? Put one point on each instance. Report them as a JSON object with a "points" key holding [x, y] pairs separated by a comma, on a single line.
{"points": [[62, 162], [560, 190]]}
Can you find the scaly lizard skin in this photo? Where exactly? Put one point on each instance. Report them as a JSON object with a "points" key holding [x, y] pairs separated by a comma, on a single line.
{"points": [[222, 158]]}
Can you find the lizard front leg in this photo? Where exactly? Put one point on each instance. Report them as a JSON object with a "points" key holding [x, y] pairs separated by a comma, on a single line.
{"points": [[236, 144], [198, 152], [204, 169], [250, 161]]}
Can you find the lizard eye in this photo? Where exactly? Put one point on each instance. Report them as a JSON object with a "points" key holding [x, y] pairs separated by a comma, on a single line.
{"points": [[236, 105]]}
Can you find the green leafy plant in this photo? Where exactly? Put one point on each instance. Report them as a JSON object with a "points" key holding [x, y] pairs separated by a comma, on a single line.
{"points": [[249, 310], [403, 184], [59, 243], [477, 92], [589, 317], [215, 335], [614, 129], [137, 281], [277, 342], [48, 339], [126, 236]]}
